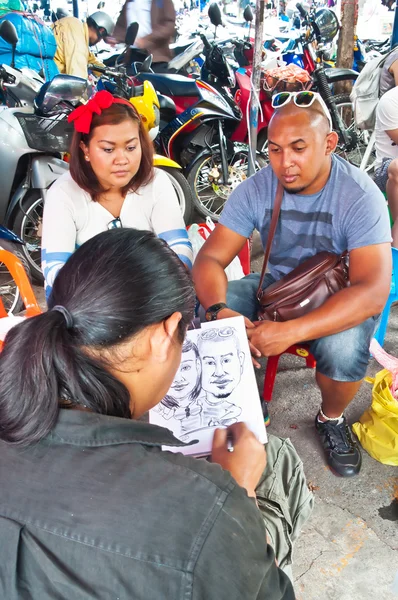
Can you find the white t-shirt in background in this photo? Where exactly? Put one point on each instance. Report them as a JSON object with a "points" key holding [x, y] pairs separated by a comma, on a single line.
{"points": [[139, 11], [386, 120]]}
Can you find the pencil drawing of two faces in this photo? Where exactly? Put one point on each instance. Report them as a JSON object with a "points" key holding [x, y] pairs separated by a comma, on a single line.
{"points": [[215, 366]]}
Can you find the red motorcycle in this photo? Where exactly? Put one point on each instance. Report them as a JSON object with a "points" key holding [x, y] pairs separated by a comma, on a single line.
{"points": [[306, 51]]}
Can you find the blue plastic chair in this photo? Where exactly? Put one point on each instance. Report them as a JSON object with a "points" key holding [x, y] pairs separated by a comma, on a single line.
{"points": [[393, 297]]}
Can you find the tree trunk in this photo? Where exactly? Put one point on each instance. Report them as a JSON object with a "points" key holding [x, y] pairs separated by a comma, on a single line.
{"points": [[345, 47]]}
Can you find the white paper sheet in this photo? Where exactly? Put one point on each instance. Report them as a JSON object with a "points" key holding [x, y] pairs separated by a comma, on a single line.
{"points": [[215, 386]]}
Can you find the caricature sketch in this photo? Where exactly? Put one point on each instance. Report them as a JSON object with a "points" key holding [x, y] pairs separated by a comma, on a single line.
{"points": [[181, 403], [222, 367], [214, 387]]}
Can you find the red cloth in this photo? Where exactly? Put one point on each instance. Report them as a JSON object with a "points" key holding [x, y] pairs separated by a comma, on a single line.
{"points": [[82, 116]]}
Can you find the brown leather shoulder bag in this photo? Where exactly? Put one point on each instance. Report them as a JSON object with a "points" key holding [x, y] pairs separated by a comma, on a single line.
{"points": [[305, 288]]}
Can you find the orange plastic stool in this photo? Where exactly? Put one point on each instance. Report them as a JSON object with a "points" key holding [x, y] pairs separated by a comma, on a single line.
{"points": [[302, 350], [17, 272]]}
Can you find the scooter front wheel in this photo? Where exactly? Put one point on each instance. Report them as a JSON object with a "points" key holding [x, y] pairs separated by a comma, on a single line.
{"points": [[9, 292], [209, 195], [183, 191], [28, 226]]}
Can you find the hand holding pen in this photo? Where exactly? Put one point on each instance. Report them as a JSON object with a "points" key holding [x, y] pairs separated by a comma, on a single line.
{"points": [[238, 451]]}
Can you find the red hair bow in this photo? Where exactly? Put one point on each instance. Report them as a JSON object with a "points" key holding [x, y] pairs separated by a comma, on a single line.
{"points": [[82, 116]]}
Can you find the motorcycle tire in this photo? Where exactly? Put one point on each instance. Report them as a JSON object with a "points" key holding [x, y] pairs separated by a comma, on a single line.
{"points": [[355, 155], [9, 292], [183, 191], [27, 225], [209, 198]]}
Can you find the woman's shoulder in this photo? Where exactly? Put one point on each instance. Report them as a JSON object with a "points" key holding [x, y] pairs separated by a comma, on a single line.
{"points": [[66, 188]]}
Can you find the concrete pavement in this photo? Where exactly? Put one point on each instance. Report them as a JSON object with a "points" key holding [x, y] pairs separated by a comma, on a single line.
{"points": [[349, 548]]}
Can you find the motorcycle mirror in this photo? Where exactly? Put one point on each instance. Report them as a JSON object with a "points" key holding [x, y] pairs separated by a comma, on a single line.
{"points": [[131, 34], [248, 14], [9, 33], [215, 14]]}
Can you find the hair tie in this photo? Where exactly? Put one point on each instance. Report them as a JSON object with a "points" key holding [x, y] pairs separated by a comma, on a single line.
{"points": [[82, 116], [66, 314]]}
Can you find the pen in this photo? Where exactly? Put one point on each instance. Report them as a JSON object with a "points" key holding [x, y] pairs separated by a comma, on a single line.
{"points": [[230, 443]]}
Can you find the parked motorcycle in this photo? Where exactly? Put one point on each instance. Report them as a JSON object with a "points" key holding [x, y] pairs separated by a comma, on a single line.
{"points": [[146, 101], [9, 292], [196, 124], [321, 28]]}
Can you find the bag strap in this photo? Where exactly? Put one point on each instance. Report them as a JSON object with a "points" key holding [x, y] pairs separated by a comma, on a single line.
{"points": [[272, 229]]}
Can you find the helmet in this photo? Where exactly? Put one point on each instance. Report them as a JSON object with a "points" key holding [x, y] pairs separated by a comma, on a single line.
{"points": [[326, 24], [101, 20]]}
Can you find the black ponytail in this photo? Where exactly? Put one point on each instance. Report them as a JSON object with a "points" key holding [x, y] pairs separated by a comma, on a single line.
{"points": [[116, 284]]}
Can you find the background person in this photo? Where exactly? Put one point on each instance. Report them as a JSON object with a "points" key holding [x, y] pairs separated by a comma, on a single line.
{"points": [[328, 205], [389, 72], [77, 464], [73, 40], [111, 183], [156, 30], [386, 140]]}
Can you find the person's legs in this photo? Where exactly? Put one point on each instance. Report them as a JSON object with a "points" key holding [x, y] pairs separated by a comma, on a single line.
{"points": [[283, 498], [342, 360], [392, 198], [241, 294]]}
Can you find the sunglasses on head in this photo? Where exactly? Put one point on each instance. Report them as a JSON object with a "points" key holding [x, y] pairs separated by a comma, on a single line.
{"points": [[303, 99]]}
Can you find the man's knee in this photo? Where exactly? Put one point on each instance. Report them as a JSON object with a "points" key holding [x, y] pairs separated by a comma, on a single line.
{"points": [[344, 356]]}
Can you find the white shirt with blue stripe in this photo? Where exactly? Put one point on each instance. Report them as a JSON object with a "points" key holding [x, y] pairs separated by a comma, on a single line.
{"points": [[71, 218]]}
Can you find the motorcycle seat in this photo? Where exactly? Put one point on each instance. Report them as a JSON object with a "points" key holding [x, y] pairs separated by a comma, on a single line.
{"points": [[339, 74], [171, 85]]}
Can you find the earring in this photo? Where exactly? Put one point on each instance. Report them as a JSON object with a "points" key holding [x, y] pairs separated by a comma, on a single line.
{"points": [[86, 157]]}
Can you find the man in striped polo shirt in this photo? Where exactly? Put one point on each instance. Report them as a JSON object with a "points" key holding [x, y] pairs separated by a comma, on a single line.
{"points": [[330, 205]]}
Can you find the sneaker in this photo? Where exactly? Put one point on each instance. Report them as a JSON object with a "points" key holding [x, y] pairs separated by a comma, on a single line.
{"points": [[264, 408], [342, 453]]}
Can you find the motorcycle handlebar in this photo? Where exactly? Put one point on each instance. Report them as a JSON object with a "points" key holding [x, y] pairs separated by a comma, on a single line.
{"points": [[106, 71], [137, 90], [301, 10], [246, 45], [205, 41], [5, 76]]}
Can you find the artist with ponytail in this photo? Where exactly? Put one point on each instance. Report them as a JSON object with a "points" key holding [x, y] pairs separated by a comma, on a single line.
{"points": [[111, 183], [90, 505]]}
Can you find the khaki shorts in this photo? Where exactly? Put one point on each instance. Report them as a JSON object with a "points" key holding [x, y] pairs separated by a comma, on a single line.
{"points": [[284, 499]]}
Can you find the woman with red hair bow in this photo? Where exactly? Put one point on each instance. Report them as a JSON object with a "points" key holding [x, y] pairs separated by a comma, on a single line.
{"points": [[111, 183]]}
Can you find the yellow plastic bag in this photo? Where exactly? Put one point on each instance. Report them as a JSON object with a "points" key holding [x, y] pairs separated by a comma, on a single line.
{"points": [[377, 429]]}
